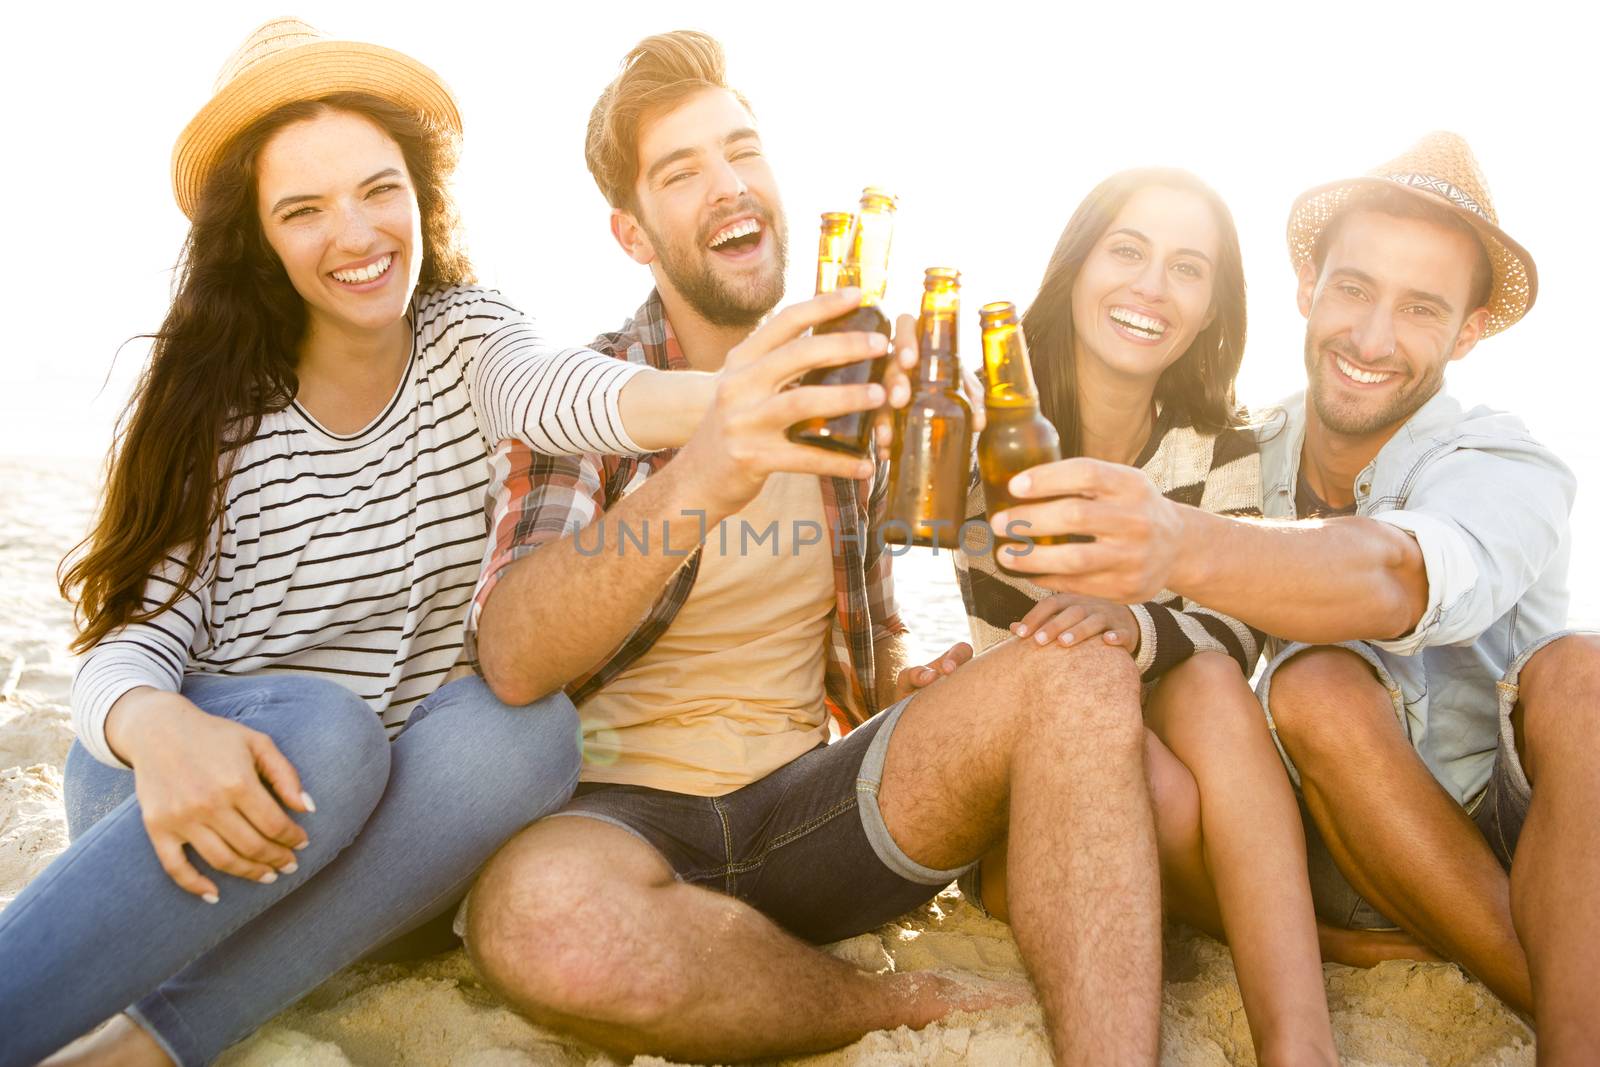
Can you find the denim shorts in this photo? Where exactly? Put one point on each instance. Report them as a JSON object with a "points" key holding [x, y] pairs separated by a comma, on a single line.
{"points": [[1498, 811], [806, 845]]}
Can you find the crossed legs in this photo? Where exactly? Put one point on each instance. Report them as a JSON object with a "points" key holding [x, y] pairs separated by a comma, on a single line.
{"points": [[583, 926], [1403, 843]]}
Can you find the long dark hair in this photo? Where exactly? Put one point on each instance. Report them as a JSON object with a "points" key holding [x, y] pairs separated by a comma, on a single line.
{"points": [[224, 358], [1198, 388]]}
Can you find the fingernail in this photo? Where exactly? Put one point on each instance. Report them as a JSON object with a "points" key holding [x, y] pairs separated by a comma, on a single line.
{"points": [[879, 343], [210, 898], [1112, 638], [1042, 639], [1019, 629], [902, 394], [949, 665], [925, 674], [289, 868], [301, 845], [863, 470], [875, 394], [305, 799], [1020, 484], [1066, 639], [268, 878], [999, 521]]}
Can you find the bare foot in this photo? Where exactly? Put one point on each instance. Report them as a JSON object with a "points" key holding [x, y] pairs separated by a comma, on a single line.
{"points": [[936, 994], [1368, 948], [119, 1043]]}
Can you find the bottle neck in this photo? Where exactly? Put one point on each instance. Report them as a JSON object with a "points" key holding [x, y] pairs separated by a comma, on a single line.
{"points": [[939, 362], [1005, 364], [867, 265], [829, 275]]}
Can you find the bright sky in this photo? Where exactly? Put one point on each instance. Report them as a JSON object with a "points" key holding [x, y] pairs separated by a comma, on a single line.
{"points": [[990, 120]]}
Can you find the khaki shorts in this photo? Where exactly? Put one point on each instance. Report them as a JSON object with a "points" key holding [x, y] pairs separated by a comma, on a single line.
{"points": [[1498, 811]]}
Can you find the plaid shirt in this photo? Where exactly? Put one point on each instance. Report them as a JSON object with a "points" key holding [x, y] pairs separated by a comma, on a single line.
{"points": [[535, 499]]}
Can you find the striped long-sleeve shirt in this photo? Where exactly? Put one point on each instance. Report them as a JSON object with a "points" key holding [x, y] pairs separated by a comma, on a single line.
{"points": [[353, 556], [1218, 473]]}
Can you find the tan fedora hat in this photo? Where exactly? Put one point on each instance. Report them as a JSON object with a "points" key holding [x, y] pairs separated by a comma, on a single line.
{"points": [[1440, 169], [286, 60]]}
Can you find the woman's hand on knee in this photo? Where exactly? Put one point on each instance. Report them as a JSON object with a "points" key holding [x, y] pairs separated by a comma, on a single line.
{"points": [[1069, 620], [203, 782]]}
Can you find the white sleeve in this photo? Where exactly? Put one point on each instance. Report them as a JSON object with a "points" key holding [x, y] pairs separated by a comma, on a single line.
{"points": [[560, 401], [150, 653]]}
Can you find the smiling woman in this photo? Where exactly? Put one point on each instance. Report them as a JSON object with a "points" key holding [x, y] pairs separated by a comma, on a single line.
{"points": [[276, 585]]}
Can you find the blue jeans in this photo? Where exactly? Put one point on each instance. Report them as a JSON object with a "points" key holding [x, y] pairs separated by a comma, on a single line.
{"points": [[399, 833]]}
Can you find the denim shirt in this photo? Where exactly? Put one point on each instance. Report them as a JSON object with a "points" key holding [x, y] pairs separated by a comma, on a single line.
{"points": [[1489, 506]]}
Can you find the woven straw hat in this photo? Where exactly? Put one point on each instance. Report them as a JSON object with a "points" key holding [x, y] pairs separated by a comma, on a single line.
{"points": [[286, 60], [1441, 169]]}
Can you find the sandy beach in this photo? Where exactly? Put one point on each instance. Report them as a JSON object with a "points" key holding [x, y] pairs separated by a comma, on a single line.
{"points": [[435, 1012]]}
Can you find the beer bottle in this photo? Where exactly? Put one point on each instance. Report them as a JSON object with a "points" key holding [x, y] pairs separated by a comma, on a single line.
{"points": [[1016, 436], [866, 265], [933, 441], [832, 248]]}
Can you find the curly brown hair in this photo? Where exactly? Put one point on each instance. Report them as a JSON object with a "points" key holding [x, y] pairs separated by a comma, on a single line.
{"points": [[223, 358]]}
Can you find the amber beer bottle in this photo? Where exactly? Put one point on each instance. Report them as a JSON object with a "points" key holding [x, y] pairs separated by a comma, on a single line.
{"points": [[866, 265], [1015, 435], [933, 443]]}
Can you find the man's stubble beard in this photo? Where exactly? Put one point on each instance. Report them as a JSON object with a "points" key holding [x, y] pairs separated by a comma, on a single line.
{"points": [[689, 269], [1359, 422]]}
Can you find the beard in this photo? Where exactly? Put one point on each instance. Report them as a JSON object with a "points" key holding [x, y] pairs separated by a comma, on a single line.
{"points": [[720, 301], [1349, 416]]}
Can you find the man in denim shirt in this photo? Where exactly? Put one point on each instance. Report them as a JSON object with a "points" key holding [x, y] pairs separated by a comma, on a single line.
{"points": [[1428, 684]]}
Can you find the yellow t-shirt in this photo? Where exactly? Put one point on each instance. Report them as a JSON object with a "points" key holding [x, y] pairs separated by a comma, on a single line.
{"points": [[733, 689]]}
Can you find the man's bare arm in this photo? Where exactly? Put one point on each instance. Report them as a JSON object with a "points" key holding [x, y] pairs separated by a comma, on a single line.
{"points": [[1315, 581], [559, 611], [556, 612]]}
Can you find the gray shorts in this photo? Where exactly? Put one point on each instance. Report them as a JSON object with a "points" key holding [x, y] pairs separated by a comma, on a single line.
{"points": [[1498, 811], [806, 845]]}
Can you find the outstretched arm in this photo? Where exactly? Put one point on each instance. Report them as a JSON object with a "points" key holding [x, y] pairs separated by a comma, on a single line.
{"points": [[559, 606], [1314, 581]]}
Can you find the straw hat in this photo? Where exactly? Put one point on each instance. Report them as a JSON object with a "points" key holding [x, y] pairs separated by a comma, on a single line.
{"points": [[1440, 169], [286, 60]]}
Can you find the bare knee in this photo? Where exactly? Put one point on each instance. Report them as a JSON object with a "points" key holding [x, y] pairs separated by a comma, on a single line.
{"points": [[1328, 702], [554, 932], [1204, 704], [1559, 700], [1088, 690]]}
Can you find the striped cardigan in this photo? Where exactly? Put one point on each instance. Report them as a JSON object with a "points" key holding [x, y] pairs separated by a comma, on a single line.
{"points": [[1219, 473]]}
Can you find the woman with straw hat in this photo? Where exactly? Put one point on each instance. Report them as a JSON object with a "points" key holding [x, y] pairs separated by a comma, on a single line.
{"points": [[276, 584]]}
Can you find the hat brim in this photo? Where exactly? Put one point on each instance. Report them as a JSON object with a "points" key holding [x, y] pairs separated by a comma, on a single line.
{"points": [[305, 72], [1516, 279]]}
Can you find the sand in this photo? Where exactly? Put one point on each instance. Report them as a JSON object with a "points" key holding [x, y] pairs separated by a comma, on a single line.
{"points": [[436, 1012]]}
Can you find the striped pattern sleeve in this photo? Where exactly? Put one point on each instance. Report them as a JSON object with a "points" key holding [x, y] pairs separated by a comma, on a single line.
{"points": [[1169, 635], [559, 401], [150, 654], [1171, 629]]}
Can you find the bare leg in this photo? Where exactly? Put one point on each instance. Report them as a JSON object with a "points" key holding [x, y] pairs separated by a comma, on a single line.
{"points": [[1059, 763], [1399, 838], [1186, 891], [1254, 852], [582, 927], [1555, 881], [119, 1043]]}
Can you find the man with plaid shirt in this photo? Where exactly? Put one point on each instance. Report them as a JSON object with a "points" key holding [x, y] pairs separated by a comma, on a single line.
{"points": [[702, 607]]}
